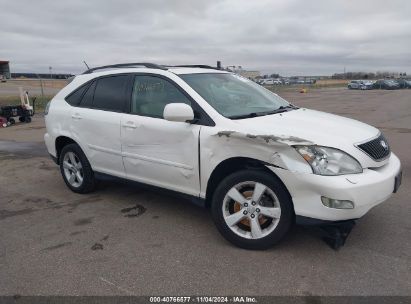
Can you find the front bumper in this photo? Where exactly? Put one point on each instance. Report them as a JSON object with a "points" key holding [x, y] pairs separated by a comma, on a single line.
{"points": [[366, 190]]}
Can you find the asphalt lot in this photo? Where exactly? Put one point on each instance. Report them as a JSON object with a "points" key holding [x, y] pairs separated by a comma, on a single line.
{"points": [[48, 234]]}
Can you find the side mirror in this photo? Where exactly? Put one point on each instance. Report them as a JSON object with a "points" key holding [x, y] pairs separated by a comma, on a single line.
{"points": [[181, 112]]}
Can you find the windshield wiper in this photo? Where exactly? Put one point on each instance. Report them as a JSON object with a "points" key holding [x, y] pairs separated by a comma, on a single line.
{"points": [[281, 109], [289, 106], [248, 115]]}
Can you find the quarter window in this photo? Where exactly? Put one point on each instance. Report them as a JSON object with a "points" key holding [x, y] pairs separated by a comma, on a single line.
{"points": [[87, 100], [151, 94], [75, 97]]}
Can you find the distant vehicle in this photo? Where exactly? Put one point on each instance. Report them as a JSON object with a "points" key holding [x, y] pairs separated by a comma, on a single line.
{"points": [[270, 81], [367, 85], [267, 81], [355, 84], [386, 84], [2, 78], [404, 83], [292, 81]]}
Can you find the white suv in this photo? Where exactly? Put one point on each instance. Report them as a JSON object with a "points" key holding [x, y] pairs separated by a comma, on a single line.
{"points": [[257, 161]]}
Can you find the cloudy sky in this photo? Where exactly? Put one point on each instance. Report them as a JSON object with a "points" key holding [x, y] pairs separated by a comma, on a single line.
{"points": [[285, 36]]}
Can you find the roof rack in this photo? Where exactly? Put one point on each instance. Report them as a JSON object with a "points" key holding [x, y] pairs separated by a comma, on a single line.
{"points": [[126, 65], [201, 66]]}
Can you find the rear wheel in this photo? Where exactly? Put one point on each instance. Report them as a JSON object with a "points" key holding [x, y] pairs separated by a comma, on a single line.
{"points": [[252, 209], [76, 169]]}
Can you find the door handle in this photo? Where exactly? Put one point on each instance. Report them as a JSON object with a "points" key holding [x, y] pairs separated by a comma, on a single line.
{"points": [[76, 116], [130, 124]]}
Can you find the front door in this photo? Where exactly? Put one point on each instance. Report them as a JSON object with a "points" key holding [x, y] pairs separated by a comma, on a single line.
{"points": [[156, 151]]}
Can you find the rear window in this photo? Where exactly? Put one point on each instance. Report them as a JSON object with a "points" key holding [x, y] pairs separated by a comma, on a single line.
{"points": [[110, 94]]}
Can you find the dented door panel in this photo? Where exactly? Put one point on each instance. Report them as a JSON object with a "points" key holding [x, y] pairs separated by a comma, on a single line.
{"points": [[160, 152]]}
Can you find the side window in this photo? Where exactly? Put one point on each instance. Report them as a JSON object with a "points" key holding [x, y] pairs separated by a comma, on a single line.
{"points": [[87, 99], [151, 94], [110, 94], [75, 97]]}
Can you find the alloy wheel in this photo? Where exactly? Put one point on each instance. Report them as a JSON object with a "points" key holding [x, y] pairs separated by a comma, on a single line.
{"points": [[73, 170], [251, 210]]}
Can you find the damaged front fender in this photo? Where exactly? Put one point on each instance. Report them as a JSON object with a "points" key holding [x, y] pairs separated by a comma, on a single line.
{"points": [[274, 150]]}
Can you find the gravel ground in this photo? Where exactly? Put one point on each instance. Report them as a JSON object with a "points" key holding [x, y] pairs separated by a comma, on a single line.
{"points": [[122, 240]]}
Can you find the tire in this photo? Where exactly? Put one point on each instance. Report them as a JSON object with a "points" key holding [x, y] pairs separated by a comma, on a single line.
{"points": [[73, 162], [21, 119], [243, 229], [12, 121], [27, 119]]}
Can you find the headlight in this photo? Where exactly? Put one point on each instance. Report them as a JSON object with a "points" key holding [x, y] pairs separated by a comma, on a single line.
{"points": [[329, 161]]}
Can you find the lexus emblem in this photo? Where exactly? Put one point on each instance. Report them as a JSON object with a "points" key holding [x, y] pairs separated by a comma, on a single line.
{"points": [[383, 144]]}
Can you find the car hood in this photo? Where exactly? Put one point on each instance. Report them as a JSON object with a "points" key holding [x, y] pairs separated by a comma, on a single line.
{"points": [[303, 126]]}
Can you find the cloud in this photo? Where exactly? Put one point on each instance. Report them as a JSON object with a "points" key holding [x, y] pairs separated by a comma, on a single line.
{"points": [[285, 36]]}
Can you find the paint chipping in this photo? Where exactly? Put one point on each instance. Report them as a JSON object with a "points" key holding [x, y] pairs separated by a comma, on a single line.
{"points": [[283, 139], [225, 133]]}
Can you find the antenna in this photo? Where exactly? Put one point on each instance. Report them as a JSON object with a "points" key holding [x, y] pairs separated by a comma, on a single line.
{"points": [[88, 68]]}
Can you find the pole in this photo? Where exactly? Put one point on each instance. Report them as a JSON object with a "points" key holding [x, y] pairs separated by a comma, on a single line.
{"points": [[41, 85]]}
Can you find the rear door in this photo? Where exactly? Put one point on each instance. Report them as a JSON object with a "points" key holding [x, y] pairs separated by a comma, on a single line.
{"points": [[96, 123], [157, 151]]}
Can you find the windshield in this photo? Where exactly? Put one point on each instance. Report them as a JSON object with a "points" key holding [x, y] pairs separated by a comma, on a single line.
{"points": [[234, 96]]}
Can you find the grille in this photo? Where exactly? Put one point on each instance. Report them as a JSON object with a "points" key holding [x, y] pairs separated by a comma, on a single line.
{"points": [[377, 148]]}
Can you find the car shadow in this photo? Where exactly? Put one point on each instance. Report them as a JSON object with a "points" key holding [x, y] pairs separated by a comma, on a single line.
{"points": [[174, 204]]}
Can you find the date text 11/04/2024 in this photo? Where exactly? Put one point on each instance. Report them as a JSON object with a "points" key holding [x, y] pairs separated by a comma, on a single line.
{"points": [[203, 299]]}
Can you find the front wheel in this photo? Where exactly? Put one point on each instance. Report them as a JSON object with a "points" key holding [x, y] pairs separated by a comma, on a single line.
{"points": [[252, 209], [76, 169]]}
